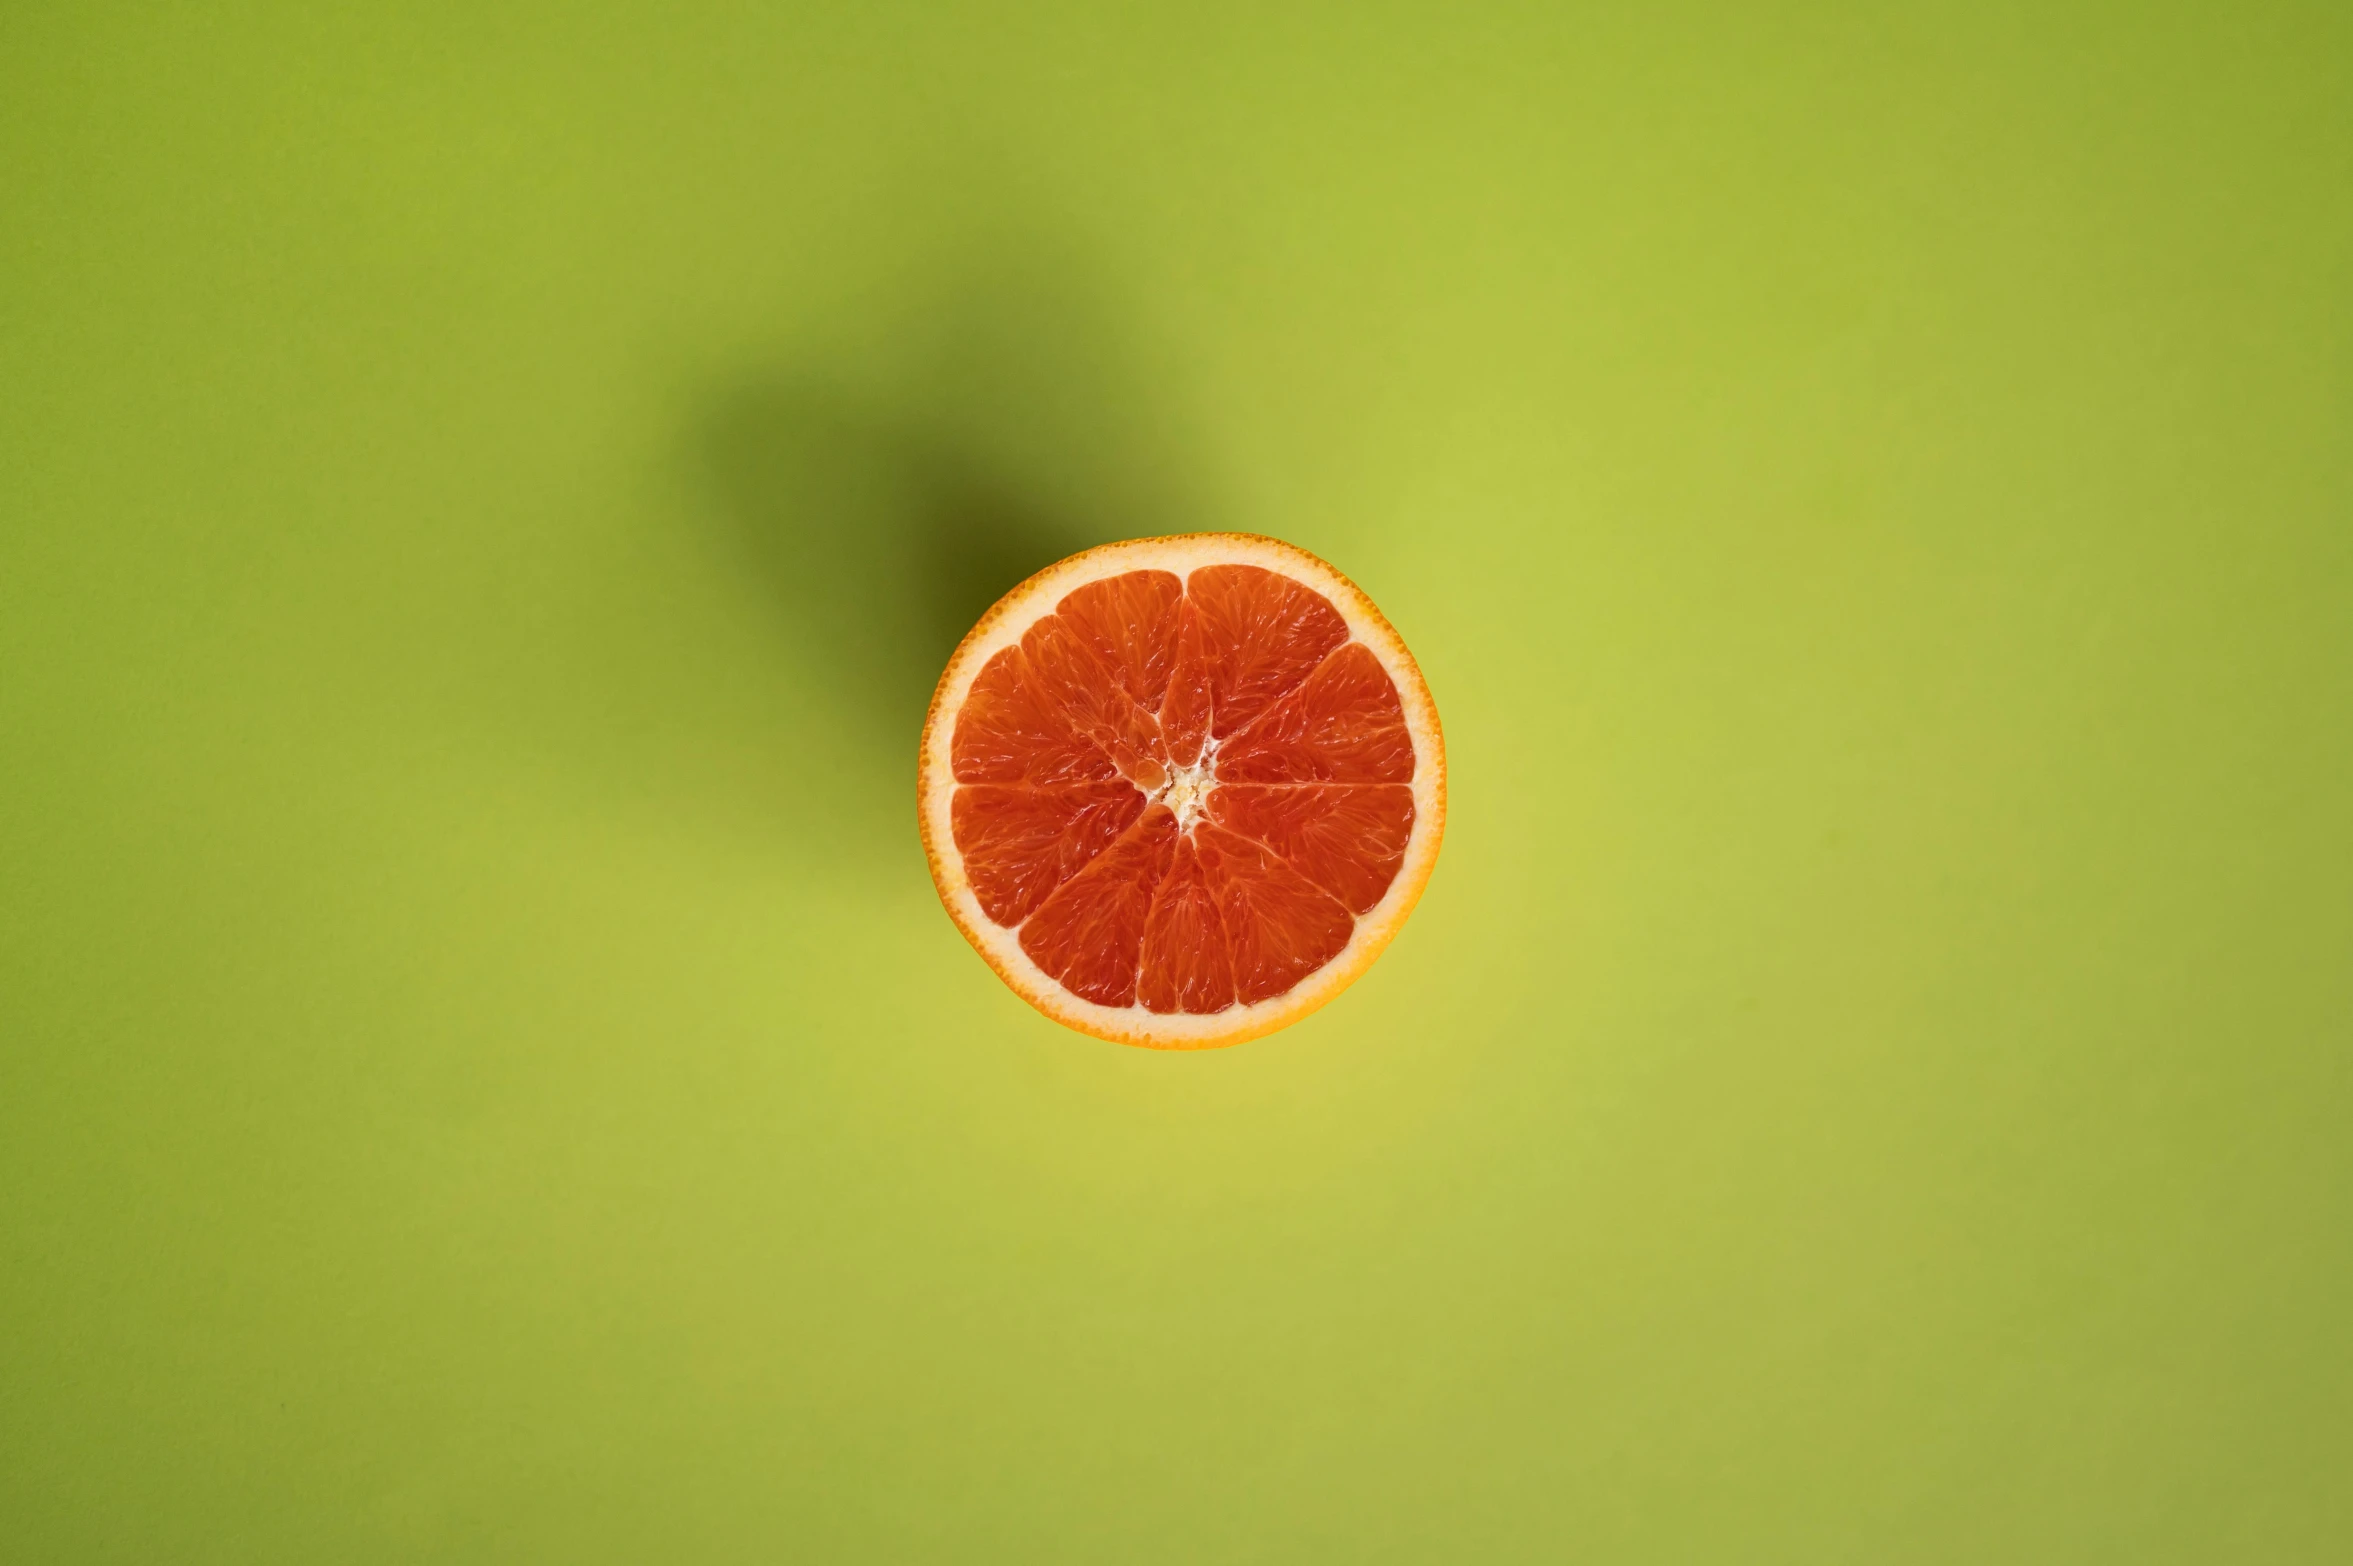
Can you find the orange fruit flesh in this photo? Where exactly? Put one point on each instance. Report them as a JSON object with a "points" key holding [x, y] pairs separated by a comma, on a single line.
{"points": [[1183, 792]]}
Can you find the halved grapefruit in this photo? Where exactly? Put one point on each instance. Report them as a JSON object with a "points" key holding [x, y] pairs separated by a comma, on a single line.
{"points": [[1180, 792]]}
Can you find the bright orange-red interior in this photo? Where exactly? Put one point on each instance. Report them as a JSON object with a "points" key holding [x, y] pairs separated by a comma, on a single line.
{"points": [[1183, 792]]}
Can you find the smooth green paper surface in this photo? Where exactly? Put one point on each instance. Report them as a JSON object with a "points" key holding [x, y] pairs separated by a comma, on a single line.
{"points": [[484, 493]]}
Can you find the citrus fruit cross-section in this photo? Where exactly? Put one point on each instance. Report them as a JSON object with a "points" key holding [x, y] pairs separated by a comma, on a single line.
{"points": [[1180, 792]]}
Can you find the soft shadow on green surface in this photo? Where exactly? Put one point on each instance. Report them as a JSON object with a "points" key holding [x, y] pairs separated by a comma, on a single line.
{"points": [[882, 543], [484, 494], [886, 515]]}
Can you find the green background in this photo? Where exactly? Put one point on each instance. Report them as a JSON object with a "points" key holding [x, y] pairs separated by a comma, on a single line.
{"points": [[483, 495]]}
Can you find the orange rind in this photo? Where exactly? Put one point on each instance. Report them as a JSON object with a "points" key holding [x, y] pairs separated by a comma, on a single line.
{"points": [[1181, 792]]}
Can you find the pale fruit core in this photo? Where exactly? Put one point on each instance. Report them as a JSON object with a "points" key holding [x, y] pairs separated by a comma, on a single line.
{"points": [[1188, 791]]}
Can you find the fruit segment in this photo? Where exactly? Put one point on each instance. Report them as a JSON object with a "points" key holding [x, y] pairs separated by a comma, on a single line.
{"points": [[1091, 931], [1021, 843], [1130, 621], [1245, 636], [1347, 839], [1010, 731], [1186, 966], [1280, 926], [1343, 724], [1070, 679]]}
